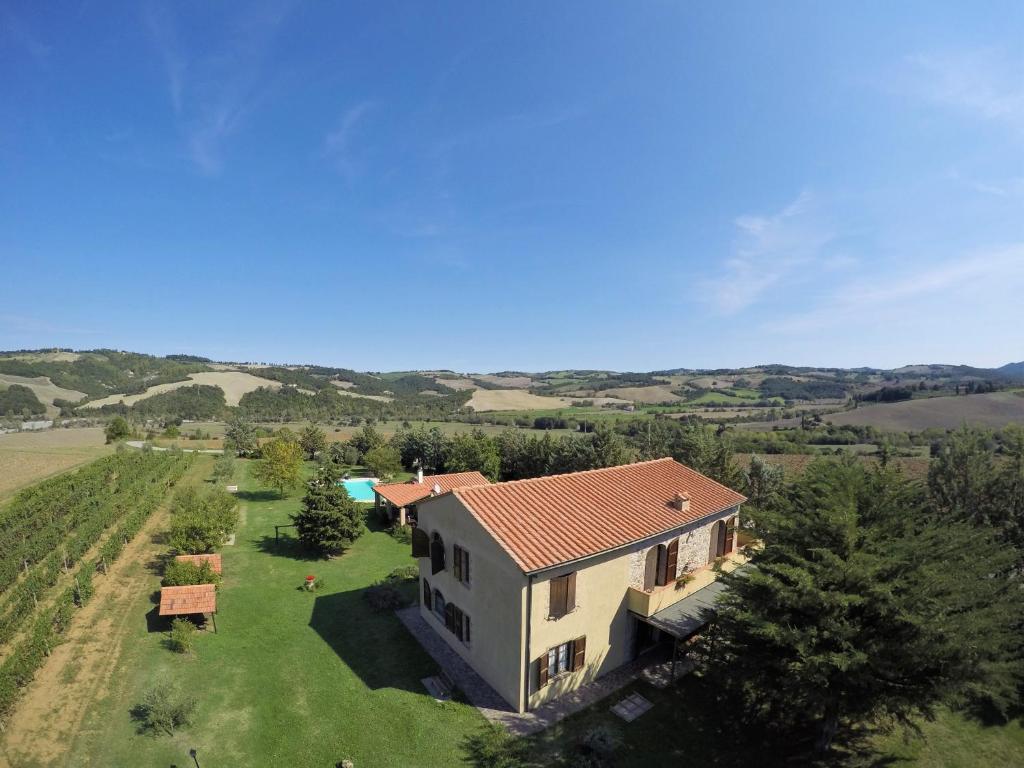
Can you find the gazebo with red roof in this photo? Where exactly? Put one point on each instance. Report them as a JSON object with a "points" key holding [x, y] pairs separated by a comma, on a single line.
{"points": [[189, 600]]}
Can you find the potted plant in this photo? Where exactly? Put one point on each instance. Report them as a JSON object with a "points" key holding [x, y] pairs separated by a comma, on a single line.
{"points": [[310, 583]]}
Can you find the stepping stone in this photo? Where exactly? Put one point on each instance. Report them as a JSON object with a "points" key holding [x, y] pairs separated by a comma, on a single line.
{"points": [[631, 707]]}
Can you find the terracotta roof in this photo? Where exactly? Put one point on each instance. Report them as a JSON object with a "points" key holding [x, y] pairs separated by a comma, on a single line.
{"points": [[178, 601], [550, 520], [401, 494], [213, 560]]}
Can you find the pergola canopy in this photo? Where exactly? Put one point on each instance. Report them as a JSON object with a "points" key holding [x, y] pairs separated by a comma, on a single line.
{"points": [[181, 601]]}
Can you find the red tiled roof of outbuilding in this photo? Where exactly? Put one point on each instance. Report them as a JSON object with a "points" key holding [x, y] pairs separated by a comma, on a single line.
{"points": [[546, 521], [401, 494], [181, 601], [198, 560]]}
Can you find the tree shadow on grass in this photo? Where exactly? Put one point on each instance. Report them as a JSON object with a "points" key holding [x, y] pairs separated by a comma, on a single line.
{"points": [[259, 496], [375, 646], [285, 546]]}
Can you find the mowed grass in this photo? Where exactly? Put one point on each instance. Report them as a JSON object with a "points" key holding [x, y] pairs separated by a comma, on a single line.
{"points": [[291, 678]]}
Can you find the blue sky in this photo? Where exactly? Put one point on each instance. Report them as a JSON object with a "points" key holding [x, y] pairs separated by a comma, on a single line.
{"points": [[528, 185]]}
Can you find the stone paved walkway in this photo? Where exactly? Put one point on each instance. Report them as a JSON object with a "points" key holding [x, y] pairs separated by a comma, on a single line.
{"points": [[496, 710]]}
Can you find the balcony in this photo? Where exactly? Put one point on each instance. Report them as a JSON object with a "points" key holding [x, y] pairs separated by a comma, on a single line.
{"points": [[648, 603]]}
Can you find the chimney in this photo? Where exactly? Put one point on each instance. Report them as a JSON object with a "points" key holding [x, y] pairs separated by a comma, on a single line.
{"points": [[436, 490], [681, 502], [419, 475]]}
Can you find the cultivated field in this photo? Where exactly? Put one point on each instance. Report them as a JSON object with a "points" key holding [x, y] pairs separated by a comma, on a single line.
{"points": [[45, 390], [234, 383], [647, 395], [345, 386], [28, 457], [994, 410], [520, 400]]}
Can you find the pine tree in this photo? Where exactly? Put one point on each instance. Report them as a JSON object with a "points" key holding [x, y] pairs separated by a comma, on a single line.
{"points": [[330, 521], [862, 609]]}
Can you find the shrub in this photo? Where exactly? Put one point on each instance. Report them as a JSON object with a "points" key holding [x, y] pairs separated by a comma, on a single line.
{"points": [[383, 597], [201, 521], [163, 709], [402, 533], [181, 573], [403, 573], [83, 588], [182, 636]]}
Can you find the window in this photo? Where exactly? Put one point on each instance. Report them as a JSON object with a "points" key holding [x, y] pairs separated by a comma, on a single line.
{"points": [[563, 595], [460, 564], [730, 534], [426, 594], [420, 543], [567, 657], [455, 621], [465, 629], [439, 605], [436, 553]]}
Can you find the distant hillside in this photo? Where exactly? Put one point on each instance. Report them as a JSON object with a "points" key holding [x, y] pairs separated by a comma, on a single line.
{"points": [[1012, 369]]}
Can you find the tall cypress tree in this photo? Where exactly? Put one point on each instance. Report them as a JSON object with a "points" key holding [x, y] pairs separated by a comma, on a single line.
{"points": [[862, 608], [330, 521]]}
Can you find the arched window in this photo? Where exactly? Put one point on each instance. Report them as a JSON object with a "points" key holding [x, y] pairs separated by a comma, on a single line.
{"points": [[439, 606], [426, 594], [436, 553], [660, 565], [723, 537]]}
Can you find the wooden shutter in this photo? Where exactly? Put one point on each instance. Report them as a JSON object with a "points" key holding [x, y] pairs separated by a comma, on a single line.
{"points": [[542, 671], [671, 560], [436, 556], [570, 592], [426, 594], [730, 535], [558, 595], [457, 562], [660, 580], [457, 623], [465, 566], [579, 652], [420, 543], [449, 617], [465, 628]]}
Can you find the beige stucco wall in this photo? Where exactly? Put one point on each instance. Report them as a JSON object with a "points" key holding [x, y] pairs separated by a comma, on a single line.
{"points": [[601, 612], [494, 600]]}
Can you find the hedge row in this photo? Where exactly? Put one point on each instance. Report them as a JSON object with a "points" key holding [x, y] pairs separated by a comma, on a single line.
{"points": [[141, 492]]}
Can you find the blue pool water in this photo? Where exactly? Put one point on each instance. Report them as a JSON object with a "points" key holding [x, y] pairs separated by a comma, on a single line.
{"points": [[360, 490]]}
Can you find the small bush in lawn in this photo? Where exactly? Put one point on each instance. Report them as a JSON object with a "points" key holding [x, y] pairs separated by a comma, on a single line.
{"points": [[163, 709], [183, 636], [402, 533], [403, 573], [383, 597], [596, 746], [492, 747]]}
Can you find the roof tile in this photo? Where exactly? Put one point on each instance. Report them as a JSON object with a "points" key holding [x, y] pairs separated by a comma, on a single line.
{"points": [[546, 521]]}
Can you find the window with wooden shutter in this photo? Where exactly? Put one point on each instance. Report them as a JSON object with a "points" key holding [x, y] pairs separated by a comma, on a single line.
{"points": [[579, 652], [661, 579], [457, 562], [563, 595], [465, 567], [449, 617], [436, 555], [542, 671], [426, 594], [420, 543], [671, 560], [465, 629], [730, 535], [457, 622]]}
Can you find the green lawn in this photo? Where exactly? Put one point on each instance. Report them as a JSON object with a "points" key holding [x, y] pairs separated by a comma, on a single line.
{"points": [[292, 678]]}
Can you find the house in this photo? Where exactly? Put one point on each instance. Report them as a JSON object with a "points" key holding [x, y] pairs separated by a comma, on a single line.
{"points": [[546, 584], [398, 500]]}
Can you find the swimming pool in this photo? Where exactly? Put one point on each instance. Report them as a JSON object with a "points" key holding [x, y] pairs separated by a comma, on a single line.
{"points": [[360, 489]]}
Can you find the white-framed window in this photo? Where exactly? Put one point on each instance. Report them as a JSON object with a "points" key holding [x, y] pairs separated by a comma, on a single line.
{"points": [[559, 659]]}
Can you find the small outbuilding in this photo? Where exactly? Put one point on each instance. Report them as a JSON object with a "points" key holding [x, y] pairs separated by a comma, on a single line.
{"points": [[189, 600]]}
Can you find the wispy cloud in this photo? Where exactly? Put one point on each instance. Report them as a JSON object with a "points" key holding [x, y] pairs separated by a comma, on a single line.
{"points": [[978, 275], [212, 92], [338, 143], [983, 83], [768, 249]]}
